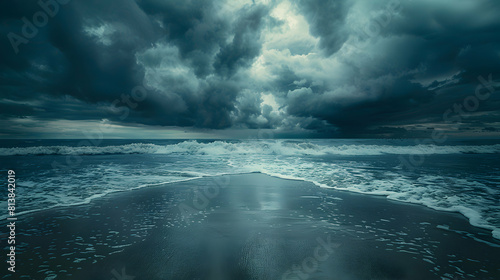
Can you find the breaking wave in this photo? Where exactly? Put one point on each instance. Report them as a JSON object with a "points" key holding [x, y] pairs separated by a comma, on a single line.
{"points": [[274, 147]]}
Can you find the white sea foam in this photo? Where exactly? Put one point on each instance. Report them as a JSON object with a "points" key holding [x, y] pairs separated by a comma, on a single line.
{"points": [[270, 147]]}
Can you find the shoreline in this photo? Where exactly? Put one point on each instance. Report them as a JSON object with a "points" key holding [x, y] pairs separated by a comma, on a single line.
{"points": [[100, 196], [89, 200], [254, 227]]}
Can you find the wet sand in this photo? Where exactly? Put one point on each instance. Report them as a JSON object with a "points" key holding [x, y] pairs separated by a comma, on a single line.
{"points": [[250, 226]]}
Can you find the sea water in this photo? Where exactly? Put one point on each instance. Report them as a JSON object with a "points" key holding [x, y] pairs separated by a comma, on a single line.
{"points": [[460, 175]]}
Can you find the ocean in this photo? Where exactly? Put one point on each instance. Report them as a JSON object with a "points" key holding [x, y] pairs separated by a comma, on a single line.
{"points": [[459, 176]]}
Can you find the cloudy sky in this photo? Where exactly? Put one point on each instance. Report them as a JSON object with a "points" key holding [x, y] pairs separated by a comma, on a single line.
{"points": [[210, 69]]}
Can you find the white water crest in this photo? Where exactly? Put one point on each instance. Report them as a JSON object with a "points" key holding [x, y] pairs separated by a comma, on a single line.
{"points": [[268, 147]]}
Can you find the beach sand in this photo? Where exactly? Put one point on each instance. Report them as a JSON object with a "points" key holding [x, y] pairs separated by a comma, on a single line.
{"points": [[250, 226]]}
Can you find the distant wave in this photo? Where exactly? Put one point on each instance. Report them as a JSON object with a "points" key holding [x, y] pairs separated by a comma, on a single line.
{"points": [[276, 147]]}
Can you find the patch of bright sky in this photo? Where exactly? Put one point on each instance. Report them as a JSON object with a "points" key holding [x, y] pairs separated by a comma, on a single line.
{"points": [[277, 41], [102, 33], [94, 129], [268, 99], [291, 45]]}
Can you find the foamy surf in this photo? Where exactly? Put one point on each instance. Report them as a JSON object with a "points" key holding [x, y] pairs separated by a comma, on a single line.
{"points": [[341, 165], [274, 147]]}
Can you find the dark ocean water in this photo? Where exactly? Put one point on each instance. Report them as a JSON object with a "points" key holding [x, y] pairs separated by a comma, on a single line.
{"points": [[460, 176]]}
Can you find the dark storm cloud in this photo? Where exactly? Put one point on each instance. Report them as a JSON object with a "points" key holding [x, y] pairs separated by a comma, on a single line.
{"points": [[89, 49], [327, 21], [385, 107], [193, 26], [200, 44], [365, 67], [69, 62], [245, 45], [423, 60], [459, 36]]}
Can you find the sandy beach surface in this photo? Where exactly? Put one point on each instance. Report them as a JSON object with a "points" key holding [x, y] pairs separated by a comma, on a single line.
{"points": [[250, 226]]}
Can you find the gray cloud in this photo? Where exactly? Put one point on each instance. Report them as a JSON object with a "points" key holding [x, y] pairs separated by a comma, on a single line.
{"points": [[331, 67], [327, 21]]}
